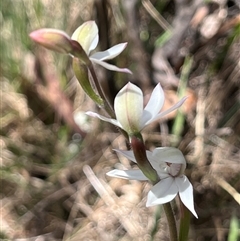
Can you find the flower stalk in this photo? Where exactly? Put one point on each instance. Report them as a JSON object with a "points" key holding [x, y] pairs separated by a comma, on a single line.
{"points": [[107, 105], [171, 221], [184, 223], [139, 152]]}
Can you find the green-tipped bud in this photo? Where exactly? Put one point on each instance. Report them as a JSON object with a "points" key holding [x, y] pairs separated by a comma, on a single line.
{"points": [[140, 155], [53, 39], [81, 73]]}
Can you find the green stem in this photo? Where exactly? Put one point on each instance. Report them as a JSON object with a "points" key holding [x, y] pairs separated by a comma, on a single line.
{"points": [[180, 118], [157, 216], [184, 223], [171, 221], [107, 105]]}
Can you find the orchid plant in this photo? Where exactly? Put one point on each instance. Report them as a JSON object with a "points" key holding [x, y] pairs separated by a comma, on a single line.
{"points": [[164, 167]]}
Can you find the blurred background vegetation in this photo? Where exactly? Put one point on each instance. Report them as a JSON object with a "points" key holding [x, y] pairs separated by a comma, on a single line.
{"points": [[53, 182]]}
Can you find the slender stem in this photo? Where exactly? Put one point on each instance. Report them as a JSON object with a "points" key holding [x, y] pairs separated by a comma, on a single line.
{"points": [[157, 216], [171, 221], [107, 106], [184, 223]]}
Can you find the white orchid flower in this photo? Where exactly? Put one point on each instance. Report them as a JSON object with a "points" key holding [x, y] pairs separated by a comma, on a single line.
{"points": [[87, 36], [170, 165], [130, 114]]}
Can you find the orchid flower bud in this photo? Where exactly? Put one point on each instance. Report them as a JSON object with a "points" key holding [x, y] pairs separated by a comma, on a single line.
{"points": [[59, 41], [83, 41], [52, 39]]}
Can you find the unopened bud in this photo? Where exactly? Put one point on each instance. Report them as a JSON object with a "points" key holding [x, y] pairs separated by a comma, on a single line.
{"points": [[52, 39]]}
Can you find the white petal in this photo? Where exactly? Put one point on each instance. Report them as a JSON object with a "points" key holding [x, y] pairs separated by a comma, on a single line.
{"points": [[168, 154], [112, 121], [109, 53], [154, 105], [174, 107], [128, 174], [130, 155], [186, 193], [128, 106], [87, 36], [94, 43], [110, 66], [163, 192]]}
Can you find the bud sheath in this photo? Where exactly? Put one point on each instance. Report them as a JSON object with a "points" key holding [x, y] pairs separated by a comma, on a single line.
{"points": [[139, 152]]}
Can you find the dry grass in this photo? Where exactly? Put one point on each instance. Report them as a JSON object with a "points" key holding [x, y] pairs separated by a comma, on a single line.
{"points": [[53, 182]]}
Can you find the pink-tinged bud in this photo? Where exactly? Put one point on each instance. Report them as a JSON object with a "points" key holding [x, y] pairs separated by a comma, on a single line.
{"points": [[52, 39]]}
